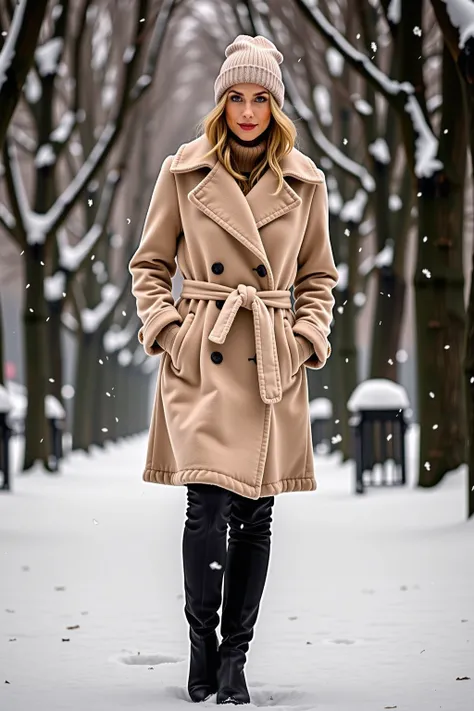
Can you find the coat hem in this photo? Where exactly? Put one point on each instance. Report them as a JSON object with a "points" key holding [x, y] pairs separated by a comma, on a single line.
{"points": [[207, 476]]}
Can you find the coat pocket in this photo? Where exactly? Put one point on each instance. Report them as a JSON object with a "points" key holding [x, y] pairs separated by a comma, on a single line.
{"points": [[176, 350], [292, 346]]}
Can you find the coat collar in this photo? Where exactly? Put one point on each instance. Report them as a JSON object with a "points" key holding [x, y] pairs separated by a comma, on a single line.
{"points": [[219, 197], [190, 156]]}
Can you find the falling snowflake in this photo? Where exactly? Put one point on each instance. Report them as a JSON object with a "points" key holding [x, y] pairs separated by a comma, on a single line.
{"points": [[417, 31]]}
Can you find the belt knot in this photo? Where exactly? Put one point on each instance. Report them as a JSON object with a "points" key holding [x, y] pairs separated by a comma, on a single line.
{"points": [[247, 294]]}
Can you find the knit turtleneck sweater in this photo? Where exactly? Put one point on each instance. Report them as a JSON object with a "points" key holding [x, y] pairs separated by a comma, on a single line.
{"points": [[247, 153]]}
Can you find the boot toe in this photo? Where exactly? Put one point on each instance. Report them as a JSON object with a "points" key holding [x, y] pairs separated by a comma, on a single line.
{"points": [[230, 696], [200, 693]]}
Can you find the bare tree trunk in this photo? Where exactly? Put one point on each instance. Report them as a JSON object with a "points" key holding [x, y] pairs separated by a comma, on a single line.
{"points": [[439, 294], [2, 376], [110, 378], [85, 392], [56, 350], [469, 387], [37, 435], [389, 312]]}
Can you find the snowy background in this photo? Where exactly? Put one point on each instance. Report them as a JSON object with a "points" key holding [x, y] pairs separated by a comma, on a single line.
{"points": [[369, 602]]}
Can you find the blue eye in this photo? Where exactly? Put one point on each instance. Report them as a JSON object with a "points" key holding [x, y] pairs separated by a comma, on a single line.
{"points": [[235, 96]]}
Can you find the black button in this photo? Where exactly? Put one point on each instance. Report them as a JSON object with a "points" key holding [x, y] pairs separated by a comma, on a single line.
{"points": [[254, 359], [217, 268], [261, 271], [220, 304], [217, 357]]}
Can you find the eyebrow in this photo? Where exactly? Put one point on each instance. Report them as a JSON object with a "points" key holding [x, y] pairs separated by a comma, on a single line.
{"points": [[257, 93]]}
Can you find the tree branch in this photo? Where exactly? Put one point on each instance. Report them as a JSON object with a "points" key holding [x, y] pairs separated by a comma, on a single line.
{"points": [[15, 191], [17, 55], [50, 222]]}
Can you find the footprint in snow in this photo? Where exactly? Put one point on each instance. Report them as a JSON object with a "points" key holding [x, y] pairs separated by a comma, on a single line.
{"points": [[280, 699], [147, 659]]}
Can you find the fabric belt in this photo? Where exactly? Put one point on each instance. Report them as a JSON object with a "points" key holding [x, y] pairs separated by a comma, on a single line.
{"points": [[268, 366]]}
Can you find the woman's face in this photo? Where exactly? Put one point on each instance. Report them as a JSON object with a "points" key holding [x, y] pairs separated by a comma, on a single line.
{"points": [[247, 110]]}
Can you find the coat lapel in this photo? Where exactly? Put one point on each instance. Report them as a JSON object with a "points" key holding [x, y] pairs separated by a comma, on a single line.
{"points": [[219, 197]]}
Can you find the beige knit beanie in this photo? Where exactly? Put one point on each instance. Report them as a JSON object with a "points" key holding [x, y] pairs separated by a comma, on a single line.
{"points": [[252, 60]]}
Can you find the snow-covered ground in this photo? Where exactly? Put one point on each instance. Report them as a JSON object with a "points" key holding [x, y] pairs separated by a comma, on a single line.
{"points": [[369, 602]]}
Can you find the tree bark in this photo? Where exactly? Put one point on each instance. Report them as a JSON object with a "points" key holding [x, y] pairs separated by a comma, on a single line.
{"points": [[439, 294], [37, 434], [464, 60], [24, 30], [2, 375], [85, 391]]}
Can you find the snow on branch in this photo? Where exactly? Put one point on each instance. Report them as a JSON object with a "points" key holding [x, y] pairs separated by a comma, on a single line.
{"points": [[361, 105], [156, 43], [91, 319], [47, 56], [63, 131], [383, 259], [461, 14], [117, 338], [388, 87], [41, 226], [380, 151], [55, 287], [325, 145], [6, 218], [72, 257], [353, 210], [399, 94], [8, 50], [22, 138], [426, 143], [394, 13]]}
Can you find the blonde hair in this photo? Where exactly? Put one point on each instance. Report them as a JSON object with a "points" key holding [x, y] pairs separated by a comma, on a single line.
{"points": [[281, 140]]}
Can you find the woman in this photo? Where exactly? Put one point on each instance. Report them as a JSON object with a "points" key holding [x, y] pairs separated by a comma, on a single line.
{"points": [[245, 213]]}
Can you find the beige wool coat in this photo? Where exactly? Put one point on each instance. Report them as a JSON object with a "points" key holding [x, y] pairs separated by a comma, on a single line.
{"points": [[231, 404]]}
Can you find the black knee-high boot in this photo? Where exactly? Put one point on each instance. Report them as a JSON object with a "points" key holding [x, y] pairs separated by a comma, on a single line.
{"points": [[204, 557], [245, 574]]}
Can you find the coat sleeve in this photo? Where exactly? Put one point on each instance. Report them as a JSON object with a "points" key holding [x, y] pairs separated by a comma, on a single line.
{"points": [[315, 279], [153, 265]]}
